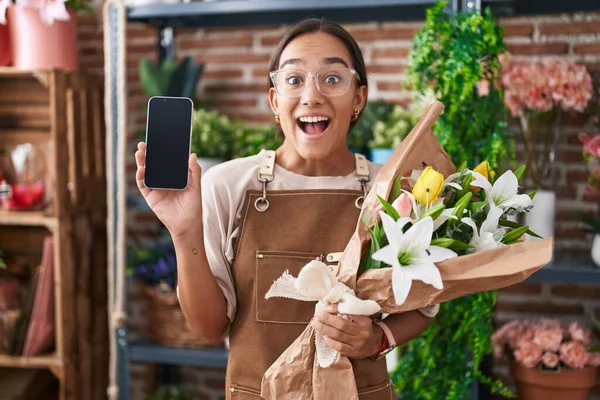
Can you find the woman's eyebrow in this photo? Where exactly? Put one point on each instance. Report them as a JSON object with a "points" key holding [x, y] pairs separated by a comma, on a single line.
{"points": [[291, 61], [335, 60]]}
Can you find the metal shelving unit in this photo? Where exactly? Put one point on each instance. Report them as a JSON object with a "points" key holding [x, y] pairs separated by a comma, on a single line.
{"points": [[167, 18]]}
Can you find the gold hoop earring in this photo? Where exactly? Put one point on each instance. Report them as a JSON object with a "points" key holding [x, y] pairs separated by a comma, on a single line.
{"points": [[355, 116], [277, 119]]}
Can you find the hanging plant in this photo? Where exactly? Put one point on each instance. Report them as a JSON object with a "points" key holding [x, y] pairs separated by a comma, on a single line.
{"points": [[458, 57]]}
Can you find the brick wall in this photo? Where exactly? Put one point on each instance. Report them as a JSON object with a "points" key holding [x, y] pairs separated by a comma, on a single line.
{"points": [[235, 80]]}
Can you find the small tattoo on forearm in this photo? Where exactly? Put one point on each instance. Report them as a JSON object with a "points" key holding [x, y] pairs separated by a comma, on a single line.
{"points": [[194, 251]]}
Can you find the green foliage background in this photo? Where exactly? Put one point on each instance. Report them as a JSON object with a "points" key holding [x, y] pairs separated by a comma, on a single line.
{"points": [[451, 55]]}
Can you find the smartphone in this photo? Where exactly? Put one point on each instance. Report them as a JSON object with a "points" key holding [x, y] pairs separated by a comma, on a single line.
{"points": [[168, 142]]}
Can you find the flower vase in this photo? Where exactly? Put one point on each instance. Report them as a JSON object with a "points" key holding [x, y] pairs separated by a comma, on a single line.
{"points": [[380, 156], [540, 219], [5, 53], [596, 250], [37, 45], [536, 384]]}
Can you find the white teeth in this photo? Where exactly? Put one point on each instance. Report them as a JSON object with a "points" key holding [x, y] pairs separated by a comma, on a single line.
{"points": [[313, 119]]}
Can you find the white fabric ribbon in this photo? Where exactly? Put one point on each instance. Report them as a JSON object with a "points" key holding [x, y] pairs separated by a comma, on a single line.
{"points": [[316, 282]]}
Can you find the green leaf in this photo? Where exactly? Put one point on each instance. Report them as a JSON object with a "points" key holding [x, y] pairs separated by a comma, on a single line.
{"points": [[514, 235], [462, 167], [531, 194], [476, 206], [389, 210], [396, 189], [510, 224], [459, 207], [596, 326], [520, 171], [434, 212], [2, 264], [594, 349], [450, 243]]}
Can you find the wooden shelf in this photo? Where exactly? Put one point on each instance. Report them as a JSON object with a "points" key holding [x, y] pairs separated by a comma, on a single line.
{"points": [[28, 218], [24, 135], [50, 361]]}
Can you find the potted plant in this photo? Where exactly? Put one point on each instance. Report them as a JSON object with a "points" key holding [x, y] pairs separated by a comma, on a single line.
{"points": [[169, 78], [362, 133], [591, 154], [212, 137], [537, 93], [457, 56], [170, 393], [154, 264], [250, 140], [549, 359], [43, 34]]}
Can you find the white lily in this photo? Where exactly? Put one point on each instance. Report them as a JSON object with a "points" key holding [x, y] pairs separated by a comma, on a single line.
{"points": [[416, 252], [489, 236], [504, 192], [420, 209]]}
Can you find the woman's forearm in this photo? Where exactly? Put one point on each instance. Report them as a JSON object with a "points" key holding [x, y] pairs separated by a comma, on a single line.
{"points": [[406, 326], [201, 298]]}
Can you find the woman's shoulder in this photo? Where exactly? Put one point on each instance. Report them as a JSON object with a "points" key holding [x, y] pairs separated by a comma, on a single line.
{"points": [[233, 171]]}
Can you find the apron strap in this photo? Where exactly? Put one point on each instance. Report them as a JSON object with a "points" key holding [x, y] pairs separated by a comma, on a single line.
{"points": [[266, 175], [361, 175]]}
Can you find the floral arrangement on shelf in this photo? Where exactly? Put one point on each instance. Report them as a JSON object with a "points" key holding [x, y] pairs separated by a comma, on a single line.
{"points": [[548, 344], [591, 154], [153, 263], [213, 134], [388, 132], [50, 10], [536, 93]]}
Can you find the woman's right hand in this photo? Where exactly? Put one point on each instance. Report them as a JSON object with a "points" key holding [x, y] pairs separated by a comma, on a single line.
{"points": [[179, 210]]}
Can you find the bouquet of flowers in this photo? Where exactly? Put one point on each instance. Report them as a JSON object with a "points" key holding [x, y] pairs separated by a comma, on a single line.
{"points": [[448, 236], [547, 344]]}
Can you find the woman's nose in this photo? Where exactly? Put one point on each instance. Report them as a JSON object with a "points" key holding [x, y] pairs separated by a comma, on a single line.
{"points": [[311, 95]]}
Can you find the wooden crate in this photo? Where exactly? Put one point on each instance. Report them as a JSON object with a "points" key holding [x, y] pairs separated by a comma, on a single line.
{"points": [[63, 110]]}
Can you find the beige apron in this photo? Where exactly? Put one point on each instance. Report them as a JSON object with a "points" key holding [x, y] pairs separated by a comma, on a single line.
{"points": [[284, 230]]}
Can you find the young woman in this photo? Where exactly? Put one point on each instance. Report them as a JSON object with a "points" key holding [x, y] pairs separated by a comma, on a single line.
{"points": [[248, 220]]}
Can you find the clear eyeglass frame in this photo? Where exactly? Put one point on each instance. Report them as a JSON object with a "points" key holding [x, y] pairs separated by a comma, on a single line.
{"points": [[308, 75]]}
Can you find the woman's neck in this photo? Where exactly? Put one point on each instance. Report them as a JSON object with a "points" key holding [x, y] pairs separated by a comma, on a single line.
{"points": [[339, 163]]}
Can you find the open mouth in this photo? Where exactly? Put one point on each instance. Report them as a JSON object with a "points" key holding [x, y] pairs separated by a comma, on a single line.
{"points": [[313, 125]]}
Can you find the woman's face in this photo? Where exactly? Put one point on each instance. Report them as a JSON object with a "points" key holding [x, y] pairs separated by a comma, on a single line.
{"points": [[313, 53]]}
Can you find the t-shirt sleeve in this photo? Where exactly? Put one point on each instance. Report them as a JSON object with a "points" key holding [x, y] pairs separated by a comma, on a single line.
{"points": [[216, 217]]}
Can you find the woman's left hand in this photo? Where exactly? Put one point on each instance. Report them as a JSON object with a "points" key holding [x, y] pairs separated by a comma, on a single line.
{"points": [[356, 338]]}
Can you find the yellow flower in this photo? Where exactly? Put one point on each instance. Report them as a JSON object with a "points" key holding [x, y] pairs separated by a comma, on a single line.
{"points": [[428, 186], [484, 169]]}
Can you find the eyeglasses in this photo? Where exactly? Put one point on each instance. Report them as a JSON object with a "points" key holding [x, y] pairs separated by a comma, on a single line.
{"points": [[292, 83]]}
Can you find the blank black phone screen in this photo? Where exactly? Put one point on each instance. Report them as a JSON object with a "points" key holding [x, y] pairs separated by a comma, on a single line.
{"points": [[168, 135]]}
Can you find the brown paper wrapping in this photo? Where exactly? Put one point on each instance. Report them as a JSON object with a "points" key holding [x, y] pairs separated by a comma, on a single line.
{"points": [[291, 376]]}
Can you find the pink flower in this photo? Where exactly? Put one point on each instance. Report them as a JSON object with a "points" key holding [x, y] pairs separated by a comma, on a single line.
{"points": [[550, 360], [594, 359], [529, 355], [508, 330], [50, 10], [573, 354], [579, 334], [483, 87], [403, 205], [548, 337]]}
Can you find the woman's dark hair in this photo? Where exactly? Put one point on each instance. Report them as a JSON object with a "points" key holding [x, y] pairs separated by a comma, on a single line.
{"points": [[313, 25]]}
